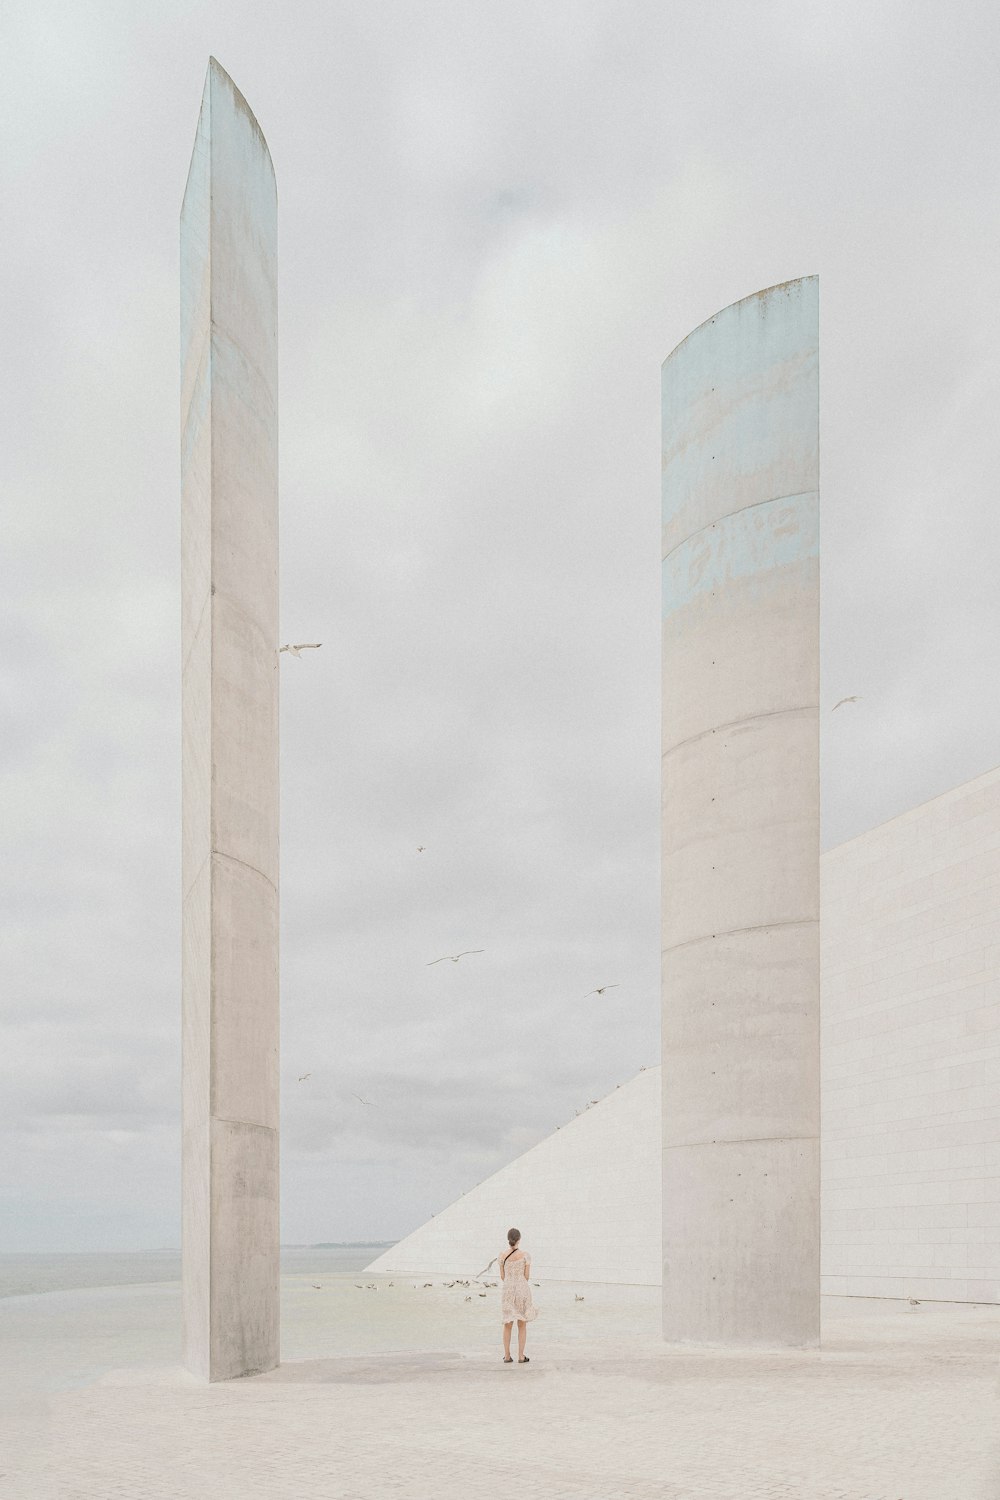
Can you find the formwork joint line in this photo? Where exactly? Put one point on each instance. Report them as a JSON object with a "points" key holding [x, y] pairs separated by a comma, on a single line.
{"points": [[770, 713], [732, 931]]}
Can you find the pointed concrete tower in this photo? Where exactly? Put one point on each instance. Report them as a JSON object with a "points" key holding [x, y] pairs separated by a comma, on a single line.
{"points": [[229, 587], [740, 777]]}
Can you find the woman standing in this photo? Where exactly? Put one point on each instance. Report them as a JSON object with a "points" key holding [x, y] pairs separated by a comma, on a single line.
{"points": [[515, 1269]]}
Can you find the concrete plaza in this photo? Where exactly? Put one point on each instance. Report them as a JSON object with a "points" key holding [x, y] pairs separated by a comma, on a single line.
{"points": [[900, 1404]]}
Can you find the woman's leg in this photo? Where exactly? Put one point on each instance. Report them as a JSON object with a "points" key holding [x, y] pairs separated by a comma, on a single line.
{"points": [[506, 1339], [522, 1334]]}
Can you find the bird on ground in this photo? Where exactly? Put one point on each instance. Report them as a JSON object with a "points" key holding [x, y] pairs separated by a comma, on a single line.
{"points": [[454, 956], [482, 1294], [593, 1101], [365, 1101], [421, 848], [576, 1298], [315, 1287], [358, 1286], [304, 1076], [303, 646], [468, 1299], [855, 699], [914, 1301], [427, 1284], [601, 989]]}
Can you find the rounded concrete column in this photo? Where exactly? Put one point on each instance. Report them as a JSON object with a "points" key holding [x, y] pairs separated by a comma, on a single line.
{"points": [[229, 773], [740, 851]]}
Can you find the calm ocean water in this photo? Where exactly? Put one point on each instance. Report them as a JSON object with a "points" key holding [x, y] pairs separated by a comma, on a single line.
{"points": [[21, 1275], [65, 1320]]}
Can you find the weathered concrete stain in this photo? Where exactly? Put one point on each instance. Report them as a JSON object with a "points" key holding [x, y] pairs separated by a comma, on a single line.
{"points": [[746, 545]]}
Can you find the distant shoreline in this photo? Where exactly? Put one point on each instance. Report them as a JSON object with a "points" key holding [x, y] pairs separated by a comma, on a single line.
{"points": [[25, 1272], [176, 1249]]}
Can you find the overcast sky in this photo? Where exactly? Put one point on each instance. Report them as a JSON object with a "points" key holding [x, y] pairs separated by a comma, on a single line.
{"points": [[495, 221]]}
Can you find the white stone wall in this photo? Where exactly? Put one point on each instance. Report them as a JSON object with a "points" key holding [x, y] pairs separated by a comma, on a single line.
{"points": [[911, 1053]]}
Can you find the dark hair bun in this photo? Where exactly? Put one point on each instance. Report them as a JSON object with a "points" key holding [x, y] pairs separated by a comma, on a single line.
{"points": [[513, 1235]]}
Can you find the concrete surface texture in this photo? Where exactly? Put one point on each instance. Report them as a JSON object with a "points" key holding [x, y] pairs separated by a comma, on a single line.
{"points": [[229, 589], [911, 1053], [740, 845], [899, 1402], [586, 1200]]}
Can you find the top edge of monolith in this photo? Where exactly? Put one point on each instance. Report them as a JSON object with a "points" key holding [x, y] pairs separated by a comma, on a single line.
{"points": [[758, 296], [216, 69]]}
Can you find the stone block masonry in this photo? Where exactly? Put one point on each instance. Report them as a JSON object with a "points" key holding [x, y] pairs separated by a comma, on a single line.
{"points": [[911, 1053]]}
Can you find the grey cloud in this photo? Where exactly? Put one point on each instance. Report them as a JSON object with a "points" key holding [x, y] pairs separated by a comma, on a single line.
{"points": [[495, 223]]}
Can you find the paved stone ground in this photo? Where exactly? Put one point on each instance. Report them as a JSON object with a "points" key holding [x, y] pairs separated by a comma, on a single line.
{"points": [[901, 1404]]}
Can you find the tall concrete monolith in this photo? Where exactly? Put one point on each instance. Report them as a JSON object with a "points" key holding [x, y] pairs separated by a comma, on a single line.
{"points": [[740, 779], [229, 589]]}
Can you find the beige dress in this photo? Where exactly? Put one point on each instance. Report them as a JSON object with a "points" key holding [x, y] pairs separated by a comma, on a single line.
{"points": [[515, 1302]]}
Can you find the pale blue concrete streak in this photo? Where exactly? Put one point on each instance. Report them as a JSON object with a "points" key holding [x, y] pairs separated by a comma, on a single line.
{"points": [[741, 388], [771, 534]]}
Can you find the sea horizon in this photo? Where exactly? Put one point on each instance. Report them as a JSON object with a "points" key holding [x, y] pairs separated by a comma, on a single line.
{"points": [[33, 1272]]}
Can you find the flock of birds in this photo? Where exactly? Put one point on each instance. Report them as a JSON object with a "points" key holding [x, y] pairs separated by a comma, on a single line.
{"points": [[453, 957], [475, 1282]]}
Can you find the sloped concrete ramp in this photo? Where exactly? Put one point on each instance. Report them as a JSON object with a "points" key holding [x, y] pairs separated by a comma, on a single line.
{"points": [[586, 1200]]}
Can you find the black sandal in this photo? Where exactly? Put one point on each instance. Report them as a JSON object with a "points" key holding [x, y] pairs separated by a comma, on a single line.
{"points": [[508, 1359], [524, 1361]]}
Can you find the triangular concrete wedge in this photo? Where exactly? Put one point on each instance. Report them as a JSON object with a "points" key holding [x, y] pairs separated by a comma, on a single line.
{"points": [[586, 1200]]}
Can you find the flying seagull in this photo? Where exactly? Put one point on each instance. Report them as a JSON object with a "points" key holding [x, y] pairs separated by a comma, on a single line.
{"points": [[601, 990], [303, 646], [304, 1077], [421, 848], [454, 956], [855, 699], [365, 1101]]}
